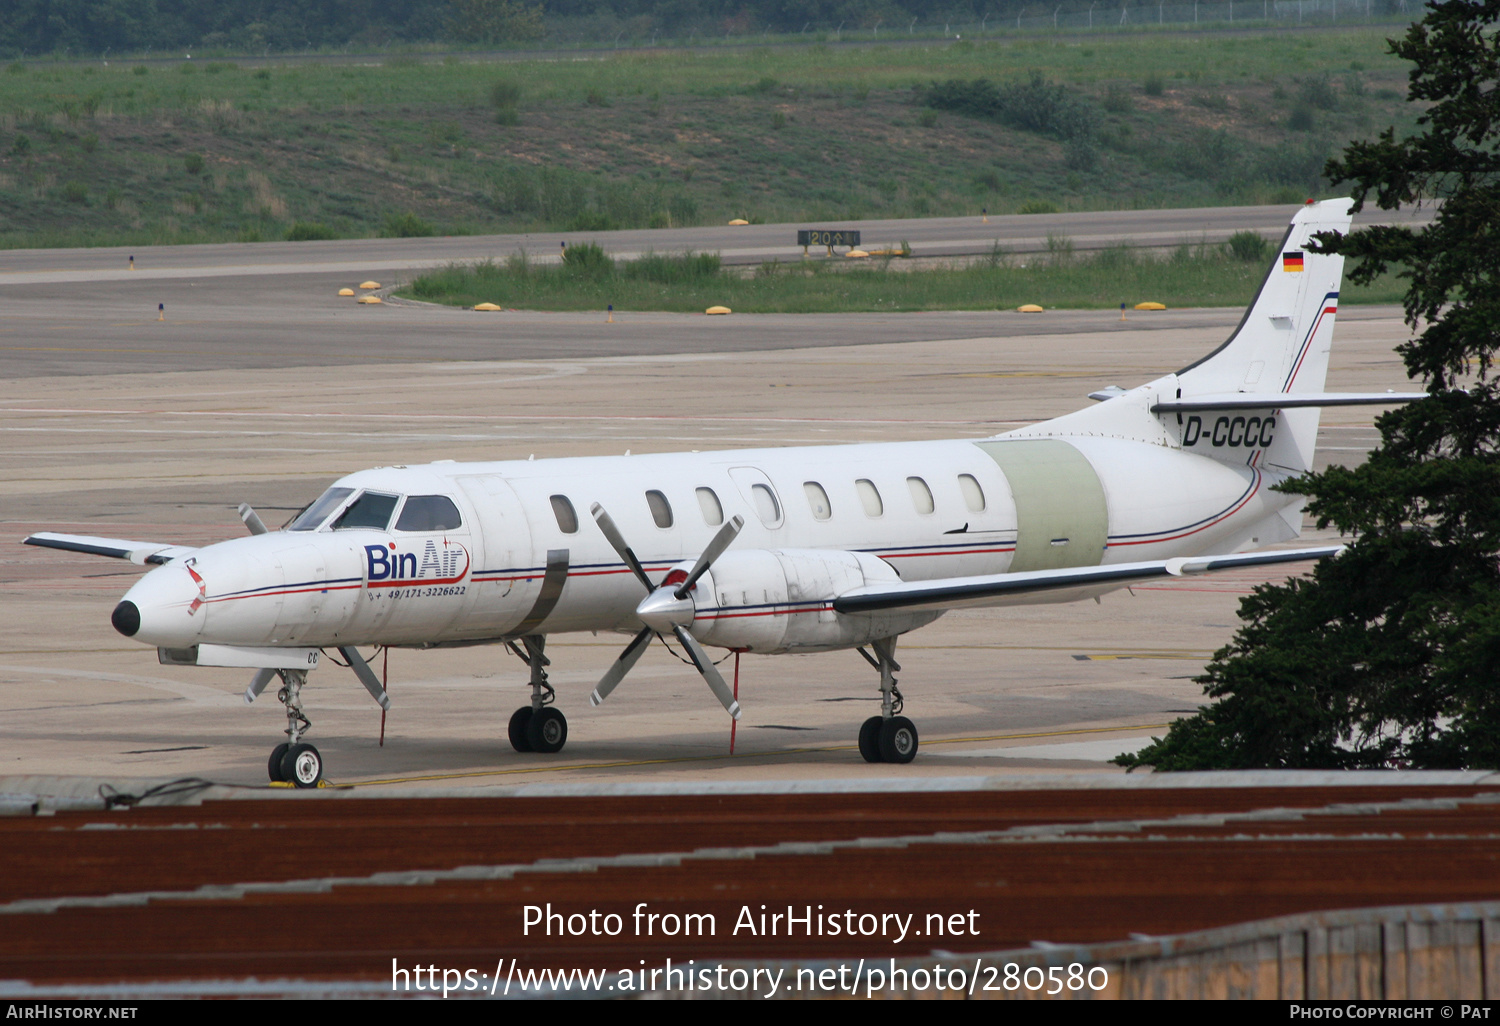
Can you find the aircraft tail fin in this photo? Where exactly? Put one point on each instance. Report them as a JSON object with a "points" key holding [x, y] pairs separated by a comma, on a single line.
{"points": [[1283, 341]]}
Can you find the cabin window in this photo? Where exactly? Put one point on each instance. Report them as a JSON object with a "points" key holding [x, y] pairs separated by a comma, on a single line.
{"points": [[817, 498], [428, 513], [371, 511], [766, 506], [921, 495], [708, 502], [312, 518], [869, 496], [973, 494], [661, 509], [567, 518]]}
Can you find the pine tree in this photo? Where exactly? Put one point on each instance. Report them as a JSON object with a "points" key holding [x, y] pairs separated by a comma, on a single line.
{"points": [[1389, 654]]}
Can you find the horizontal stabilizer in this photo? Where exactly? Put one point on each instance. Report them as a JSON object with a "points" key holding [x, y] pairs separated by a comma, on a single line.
{"points": [[1283, 400], [999, 589], [138, 552]]}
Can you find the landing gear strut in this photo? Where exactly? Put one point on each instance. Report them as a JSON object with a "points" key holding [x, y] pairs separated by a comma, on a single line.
{"points": [[293, 762], [538, 727], [889, 737]]}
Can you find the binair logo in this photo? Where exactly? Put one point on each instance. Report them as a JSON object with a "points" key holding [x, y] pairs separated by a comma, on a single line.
{"points": [[1230, 432], [438, 563]]}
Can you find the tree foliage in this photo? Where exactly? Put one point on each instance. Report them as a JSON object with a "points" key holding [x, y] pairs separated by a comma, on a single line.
{"points": [[1389, 655], [494, 21]]}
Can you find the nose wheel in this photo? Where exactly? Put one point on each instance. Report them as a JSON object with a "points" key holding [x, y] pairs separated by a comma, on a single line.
{"points": [[293, 762], [889, 737]]}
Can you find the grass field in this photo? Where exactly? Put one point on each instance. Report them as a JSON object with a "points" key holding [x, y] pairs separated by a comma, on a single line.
{"points": [[211, 151], [1191, 276]]}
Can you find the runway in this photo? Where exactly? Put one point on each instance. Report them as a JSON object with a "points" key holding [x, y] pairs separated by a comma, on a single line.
{"points": [[265, 305]]}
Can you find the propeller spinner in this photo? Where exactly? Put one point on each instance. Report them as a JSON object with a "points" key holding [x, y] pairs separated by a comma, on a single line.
{"points": [[667, 608]]}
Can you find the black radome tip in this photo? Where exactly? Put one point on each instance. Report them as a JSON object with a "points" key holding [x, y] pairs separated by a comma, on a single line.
{"points": [[126, 618]]}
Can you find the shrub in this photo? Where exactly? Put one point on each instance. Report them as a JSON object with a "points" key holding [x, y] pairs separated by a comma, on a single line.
{"points": [[264, 74], [193, 163], [90, 143], [778, 121], [113, 197], [1247, 246], [1117, 100], [1301, 119], [140, 69], [1153, 85], [309, 231], [1318, 91], [927, 119], [406, 226], [587, 260], [21, 145], [75, 192], [1036, 105], [505, 93], [507, 116], [596, 98], [591, 221], [765, 85], [1037, 207]]}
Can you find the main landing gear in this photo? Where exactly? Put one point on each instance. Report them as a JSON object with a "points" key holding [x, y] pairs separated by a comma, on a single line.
{"points": [[889, 737], [293, 762], [538, 727]]}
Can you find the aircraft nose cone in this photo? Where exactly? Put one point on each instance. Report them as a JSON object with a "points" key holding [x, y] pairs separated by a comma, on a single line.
{"points": [[160, 609], [126, 618]]}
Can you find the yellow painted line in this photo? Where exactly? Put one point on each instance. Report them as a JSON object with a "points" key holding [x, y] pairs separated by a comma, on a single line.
{"points": [[721, 758]]}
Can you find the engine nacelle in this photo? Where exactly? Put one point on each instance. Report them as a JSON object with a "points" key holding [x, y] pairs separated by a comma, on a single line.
{"points": [[781, 600]]}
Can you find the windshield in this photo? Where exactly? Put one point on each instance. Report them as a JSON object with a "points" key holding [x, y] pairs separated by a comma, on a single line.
{"points": [[370, 510], [312, 517]]}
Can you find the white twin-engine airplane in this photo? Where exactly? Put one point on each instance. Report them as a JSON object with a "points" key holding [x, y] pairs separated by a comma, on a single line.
{"points": [[767, 550]]}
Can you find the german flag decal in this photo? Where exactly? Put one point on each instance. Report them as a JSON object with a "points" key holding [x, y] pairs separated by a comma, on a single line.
{"points": [[1291, 261]]}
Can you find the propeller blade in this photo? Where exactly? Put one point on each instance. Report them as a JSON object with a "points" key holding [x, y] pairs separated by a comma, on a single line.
{"points": [[252, 519], [622, 665], [258, 684], [366, 675], [710, 672], [715, 549], [617, 541]]}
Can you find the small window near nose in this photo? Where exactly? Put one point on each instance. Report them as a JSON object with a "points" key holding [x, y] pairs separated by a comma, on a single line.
{"points": [[661, 509], [567, 518]]}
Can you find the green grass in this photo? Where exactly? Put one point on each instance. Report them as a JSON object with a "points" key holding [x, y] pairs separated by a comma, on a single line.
{"points": [[791, 133], [1192, 276]]}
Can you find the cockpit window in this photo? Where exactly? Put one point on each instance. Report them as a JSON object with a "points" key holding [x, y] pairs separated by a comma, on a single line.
{"points": [[371, 510], [428, 513], [312, 517]]}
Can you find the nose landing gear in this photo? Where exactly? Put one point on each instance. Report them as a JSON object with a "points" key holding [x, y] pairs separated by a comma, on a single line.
{"points": [[293, 762], [538, 727], [889, 737]]}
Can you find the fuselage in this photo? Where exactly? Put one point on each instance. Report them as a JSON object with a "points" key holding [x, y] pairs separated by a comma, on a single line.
{"points": [[453, 553]]}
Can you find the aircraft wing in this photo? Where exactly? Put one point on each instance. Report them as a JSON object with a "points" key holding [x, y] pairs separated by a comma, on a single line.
{"points": [[1006, 589], [138, 552]]}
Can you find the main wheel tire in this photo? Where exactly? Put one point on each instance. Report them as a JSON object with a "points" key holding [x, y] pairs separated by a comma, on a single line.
{"points": [[869, 739], [519, 721], [302, 766], [548, 731], [898, 740], [273, 767]]}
